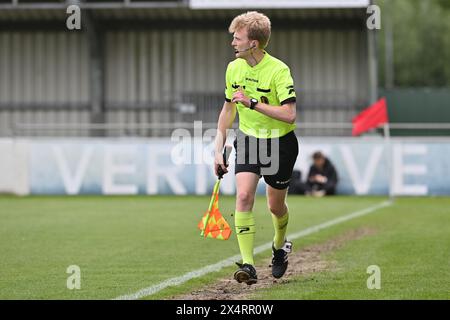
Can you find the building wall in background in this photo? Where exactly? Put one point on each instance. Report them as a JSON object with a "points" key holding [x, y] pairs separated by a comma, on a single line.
{"points": [[43, 78], [149, 73]]}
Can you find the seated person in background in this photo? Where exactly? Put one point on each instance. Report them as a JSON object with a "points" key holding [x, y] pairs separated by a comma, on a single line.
{"points": [[322, 176]]}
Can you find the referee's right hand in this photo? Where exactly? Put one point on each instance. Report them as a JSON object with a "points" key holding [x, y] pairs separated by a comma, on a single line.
{"points": [[218, 162]]}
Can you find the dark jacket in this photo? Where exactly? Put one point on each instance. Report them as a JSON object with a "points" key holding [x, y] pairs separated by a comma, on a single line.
{"points": [[328, 171]]}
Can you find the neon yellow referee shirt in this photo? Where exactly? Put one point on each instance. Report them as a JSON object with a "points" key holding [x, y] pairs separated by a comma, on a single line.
{"points": [[270, 82]]}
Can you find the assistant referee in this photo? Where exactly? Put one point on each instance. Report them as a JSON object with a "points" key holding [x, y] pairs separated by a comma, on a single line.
{"points": [[261, 89]]}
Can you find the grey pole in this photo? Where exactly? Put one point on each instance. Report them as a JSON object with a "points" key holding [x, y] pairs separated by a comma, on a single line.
{"points": [[96, 71], [389, 46], [372, 64]]}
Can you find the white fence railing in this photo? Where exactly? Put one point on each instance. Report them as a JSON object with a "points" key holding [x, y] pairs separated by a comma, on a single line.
{"points": [[165, 129]]}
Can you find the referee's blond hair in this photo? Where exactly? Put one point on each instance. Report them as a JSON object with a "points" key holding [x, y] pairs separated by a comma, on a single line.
{"points": [[257, 25]]}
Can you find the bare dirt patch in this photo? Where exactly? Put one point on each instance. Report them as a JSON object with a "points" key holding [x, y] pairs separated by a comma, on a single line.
{"points": [[307, 261]]}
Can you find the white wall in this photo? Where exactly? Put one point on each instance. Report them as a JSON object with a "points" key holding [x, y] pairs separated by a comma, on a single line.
{"points": [[14, 166]]}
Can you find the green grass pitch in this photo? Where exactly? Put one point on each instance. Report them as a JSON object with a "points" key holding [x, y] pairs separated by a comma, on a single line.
{"points": [[124, 244]]}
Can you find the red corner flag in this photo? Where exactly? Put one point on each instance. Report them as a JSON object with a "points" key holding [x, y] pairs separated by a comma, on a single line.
{"points": [[370, 118]]}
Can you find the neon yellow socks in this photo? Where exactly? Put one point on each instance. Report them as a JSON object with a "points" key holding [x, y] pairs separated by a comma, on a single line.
{"points": [[280, 225], [245, 232]]}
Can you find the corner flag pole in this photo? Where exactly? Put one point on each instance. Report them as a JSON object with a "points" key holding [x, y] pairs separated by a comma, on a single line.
{"points": [[388, 144]]}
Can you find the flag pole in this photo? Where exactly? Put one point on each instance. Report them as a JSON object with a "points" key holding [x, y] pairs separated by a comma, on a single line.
{"points": [[388, 145]]}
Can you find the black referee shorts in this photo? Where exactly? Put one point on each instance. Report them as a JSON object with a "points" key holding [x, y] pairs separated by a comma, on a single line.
{"points": [[272, 159]]}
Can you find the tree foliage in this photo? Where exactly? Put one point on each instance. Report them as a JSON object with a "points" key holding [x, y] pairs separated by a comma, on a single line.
{"points": [[421, 42]]}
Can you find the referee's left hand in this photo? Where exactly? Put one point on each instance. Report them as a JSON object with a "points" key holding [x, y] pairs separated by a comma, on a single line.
{"points": [[239, 96]]}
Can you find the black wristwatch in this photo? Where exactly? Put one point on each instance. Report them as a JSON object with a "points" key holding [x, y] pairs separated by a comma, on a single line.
{"points": [[253, 103]]}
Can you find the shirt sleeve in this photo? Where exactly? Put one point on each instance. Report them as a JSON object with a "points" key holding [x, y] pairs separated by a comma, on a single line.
{"points": [[228, 85], [284, 85]]}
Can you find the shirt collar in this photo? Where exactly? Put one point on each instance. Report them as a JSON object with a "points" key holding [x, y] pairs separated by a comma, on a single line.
{"points": [[263, 61]]}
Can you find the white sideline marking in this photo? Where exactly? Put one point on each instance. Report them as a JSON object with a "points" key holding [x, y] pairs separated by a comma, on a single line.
{"points": [[230, 261]]}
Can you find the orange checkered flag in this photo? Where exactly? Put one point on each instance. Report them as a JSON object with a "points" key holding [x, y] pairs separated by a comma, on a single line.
{"points": [[213, 224]]}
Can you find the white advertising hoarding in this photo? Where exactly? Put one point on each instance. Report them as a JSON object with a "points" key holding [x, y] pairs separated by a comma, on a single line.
{"points": [[162, 166]]}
